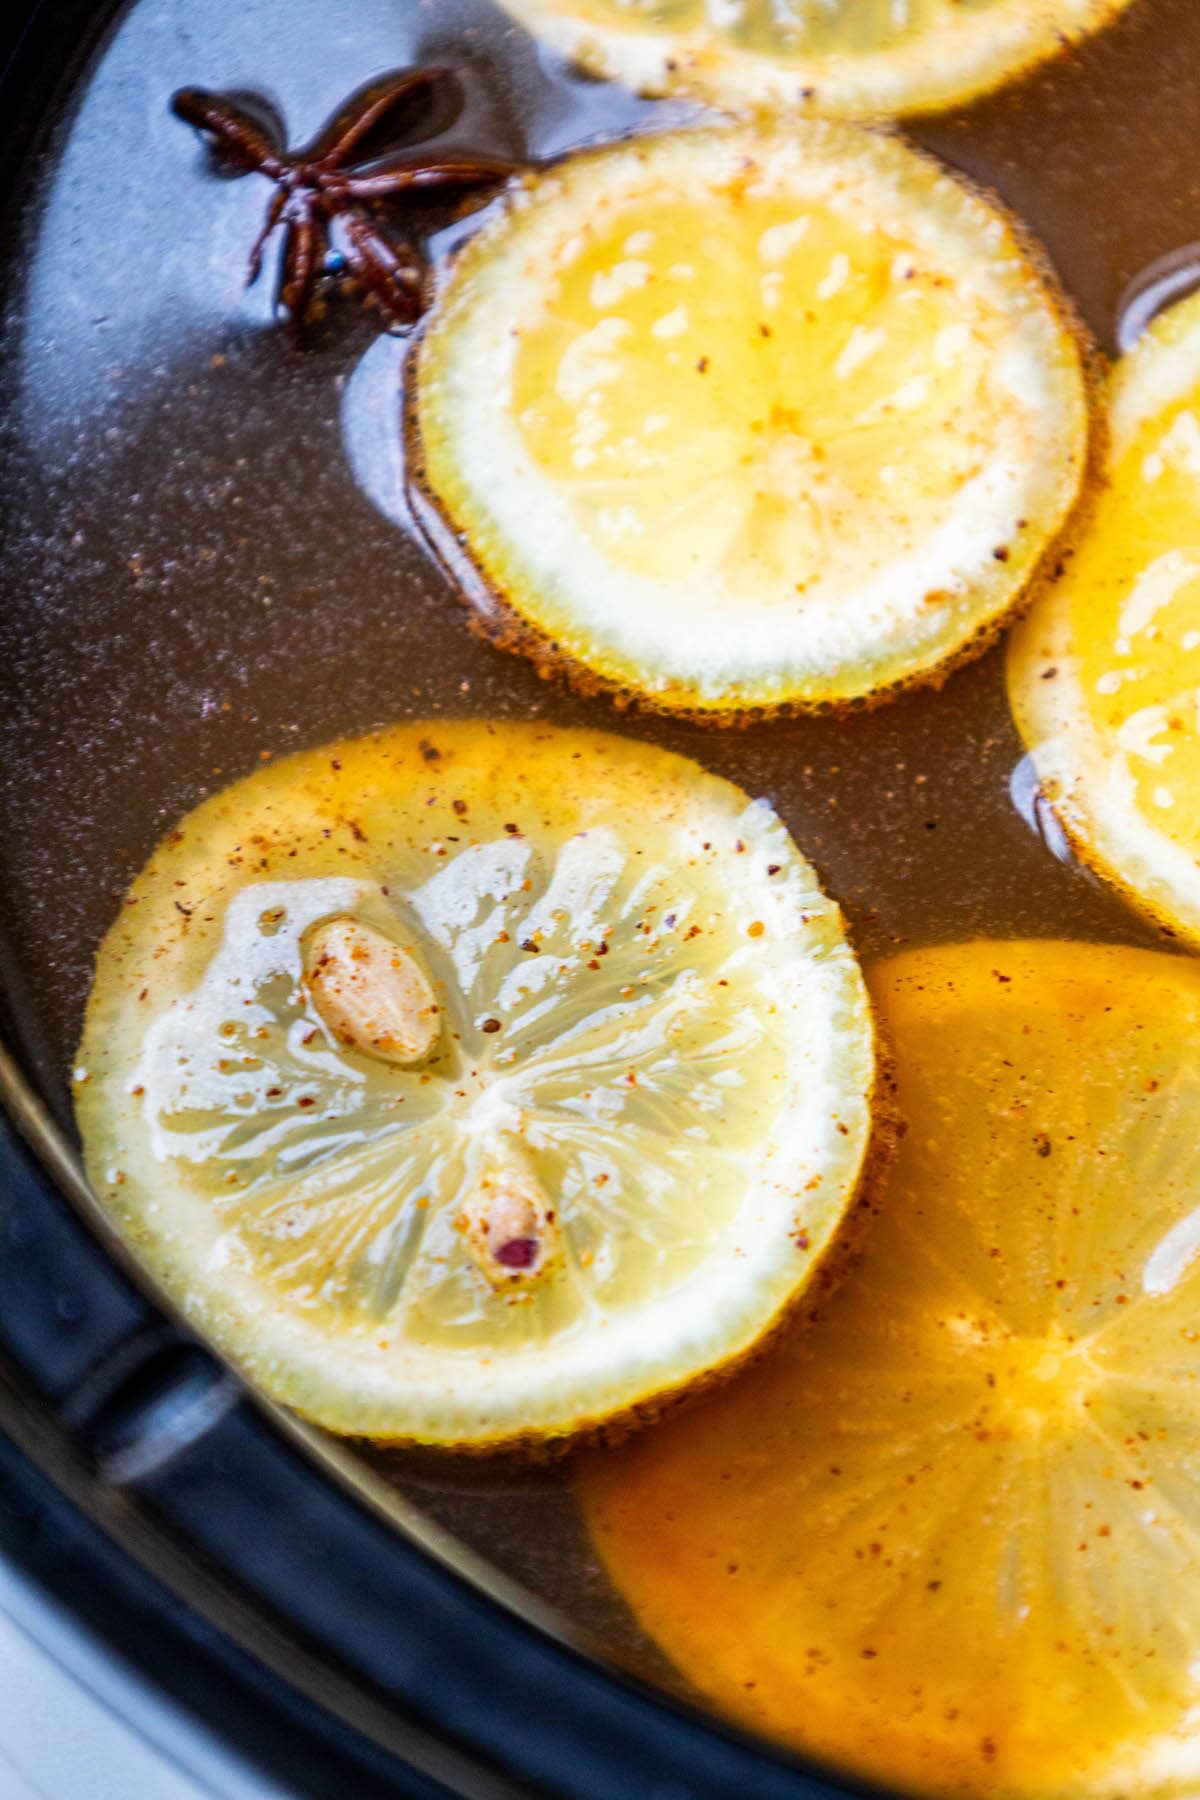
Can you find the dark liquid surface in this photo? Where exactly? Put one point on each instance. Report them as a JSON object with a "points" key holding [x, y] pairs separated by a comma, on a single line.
{"points": [[206, 555]]}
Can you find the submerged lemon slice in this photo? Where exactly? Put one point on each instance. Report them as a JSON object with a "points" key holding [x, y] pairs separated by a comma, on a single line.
{"points": [[775, 417], [873, 57], [948, 1534], [1105, 675], [468, 1082]]}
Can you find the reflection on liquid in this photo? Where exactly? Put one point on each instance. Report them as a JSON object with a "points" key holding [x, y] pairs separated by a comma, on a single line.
{"points": [[1166, 279], [1025, 791]]}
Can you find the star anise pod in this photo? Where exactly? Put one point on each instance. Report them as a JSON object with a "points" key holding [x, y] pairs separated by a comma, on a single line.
{"points": [[342, 179]]}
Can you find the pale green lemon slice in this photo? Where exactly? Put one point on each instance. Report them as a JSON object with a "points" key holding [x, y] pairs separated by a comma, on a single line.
{"points": [[863, 57], [467, 1083], [778, 417], [1104, 676]]}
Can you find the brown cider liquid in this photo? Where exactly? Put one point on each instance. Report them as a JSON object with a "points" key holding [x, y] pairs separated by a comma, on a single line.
{"points": [[207, 556]]}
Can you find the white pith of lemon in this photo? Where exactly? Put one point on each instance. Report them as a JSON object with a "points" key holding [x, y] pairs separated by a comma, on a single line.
{"points": [[1104, 675], [777, 416], [654, 1046], [946, 1534], [869, 58]]}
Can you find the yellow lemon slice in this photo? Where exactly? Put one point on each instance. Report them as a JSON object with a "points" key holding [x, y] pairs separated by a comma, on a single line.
{"points": [[948, 1534], [749, 417], [472, 1082], [1104, 677], [863, 57]]}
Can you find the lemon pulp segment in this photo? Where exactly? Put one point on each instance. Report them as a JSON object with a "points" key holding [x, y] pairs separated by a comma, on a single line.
{"points": [[863, 57], [949, 1532], [1104, 676], [642, 1114], [778, 416]]}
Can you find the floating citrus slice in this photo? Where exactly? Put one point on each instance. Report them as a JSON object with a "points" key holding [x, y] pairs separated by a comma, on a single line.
{"points": [[949, 1532], [472, 1082], [776, 417], [1105, 675], [864, 57]]}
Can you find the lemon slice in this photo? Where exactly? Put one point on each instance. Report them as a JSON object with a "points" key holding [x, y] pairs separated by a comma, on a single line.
{"points": [[471, 1082], [743, 417], [1104, 677], [863, 57], [949, 1534]]}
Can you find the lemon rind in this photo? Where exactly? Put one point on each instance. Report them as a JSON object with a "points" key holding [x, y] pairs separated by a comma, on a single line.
{"points": [[934, 73], [350, 1389], [494, 597], [1093, 799]]}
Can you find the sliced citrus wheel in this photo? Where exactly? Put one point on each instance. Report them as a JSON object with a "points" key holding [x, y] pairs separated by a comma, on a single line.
{"points": [[472, 1082], [742, 417], [1104, 677], [865, 57], [948, 1534]]}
